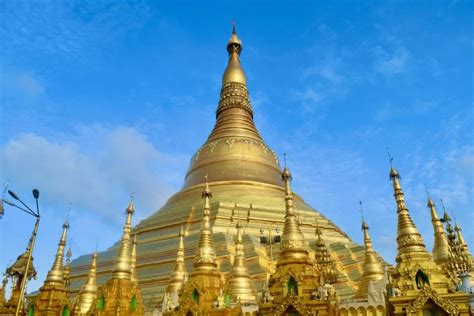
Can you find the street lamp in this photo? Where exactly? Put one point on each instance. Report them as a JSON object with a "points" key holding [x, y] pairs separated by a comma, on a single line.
{"points": [[31, 243]]}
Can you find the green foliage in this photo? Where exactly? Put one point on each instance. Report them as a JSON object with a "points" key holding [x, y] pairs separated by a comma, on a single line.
{"points": [[31, 310]]}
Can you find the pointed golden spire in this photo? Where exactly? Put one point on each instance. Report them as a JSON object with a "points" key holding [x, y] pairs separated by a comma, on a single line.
{"points": [[408, 237], [179, 273], [56, 273], [441, 244], [293, 247], [133, 260], [205, 253], [234, 72], [239, 283], [122, 267], [372, 270], [88, 292]]}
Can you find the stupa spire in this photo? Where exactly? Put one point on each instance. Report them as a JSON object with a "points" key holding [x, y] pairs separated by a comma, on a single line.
{"points": [[372, 270], [179, 273], [441, 245], [239, 284], [122, 267], [88, 292], [133, 260], [293, 247], [56, 273], [205, 253], [234, 140], [323, 261], [409, 238]]}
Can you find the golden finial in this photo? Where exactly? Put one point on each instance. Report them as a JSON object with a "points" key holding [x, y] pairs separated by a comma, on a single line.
{"points": [[122, 266], [234, 72], [56, 273], [88, 292]]}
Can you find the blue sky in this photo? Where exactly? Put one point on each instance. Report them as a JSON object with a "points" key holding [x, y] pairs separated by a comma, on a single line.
{"points": [[102, 98]]}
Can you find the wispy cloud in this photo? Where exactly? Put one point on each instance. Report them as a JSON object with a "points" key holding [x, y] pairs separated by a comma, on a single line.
{"points": [[391, 63]]}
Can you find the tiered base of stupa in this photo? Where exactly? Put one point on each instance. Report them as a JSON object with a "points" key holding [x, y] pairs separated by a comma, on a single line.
{"points": [[260, 208]]}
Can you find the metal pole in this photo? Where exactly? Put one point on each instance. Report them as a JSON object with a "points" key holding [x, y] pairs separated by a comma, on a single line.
{"points": [[28, 260]]}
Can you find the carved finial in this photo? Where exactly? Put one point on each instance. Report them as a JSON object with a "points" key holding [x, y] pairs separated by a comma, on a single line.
{"points": [[233, 27], [284, 159]]}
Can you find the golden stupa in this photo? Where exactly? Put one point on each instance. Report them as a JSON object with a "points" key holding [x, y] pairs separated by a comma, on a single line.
{"points": [[245, 176]]}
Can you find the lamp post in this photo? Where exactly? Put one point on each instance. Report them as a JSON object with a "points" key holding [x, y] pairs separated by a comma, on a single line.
{"points": [[271, 240], [31, 243]]}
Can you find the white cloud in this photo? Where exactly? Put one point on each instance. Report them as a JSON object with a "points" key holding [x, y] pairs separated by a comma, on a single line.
{"points": [[95, 172], [393, 63], [22, 83]]}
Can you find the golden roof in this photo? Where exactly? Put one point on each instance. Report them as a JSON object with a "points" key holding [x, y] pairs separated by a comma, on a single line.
{"points": [[18, 267]]}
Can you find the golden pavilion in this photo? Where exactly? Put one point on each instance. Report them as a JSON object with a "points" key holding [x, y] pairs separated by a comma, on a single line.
{"points": [[236, 240]]}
